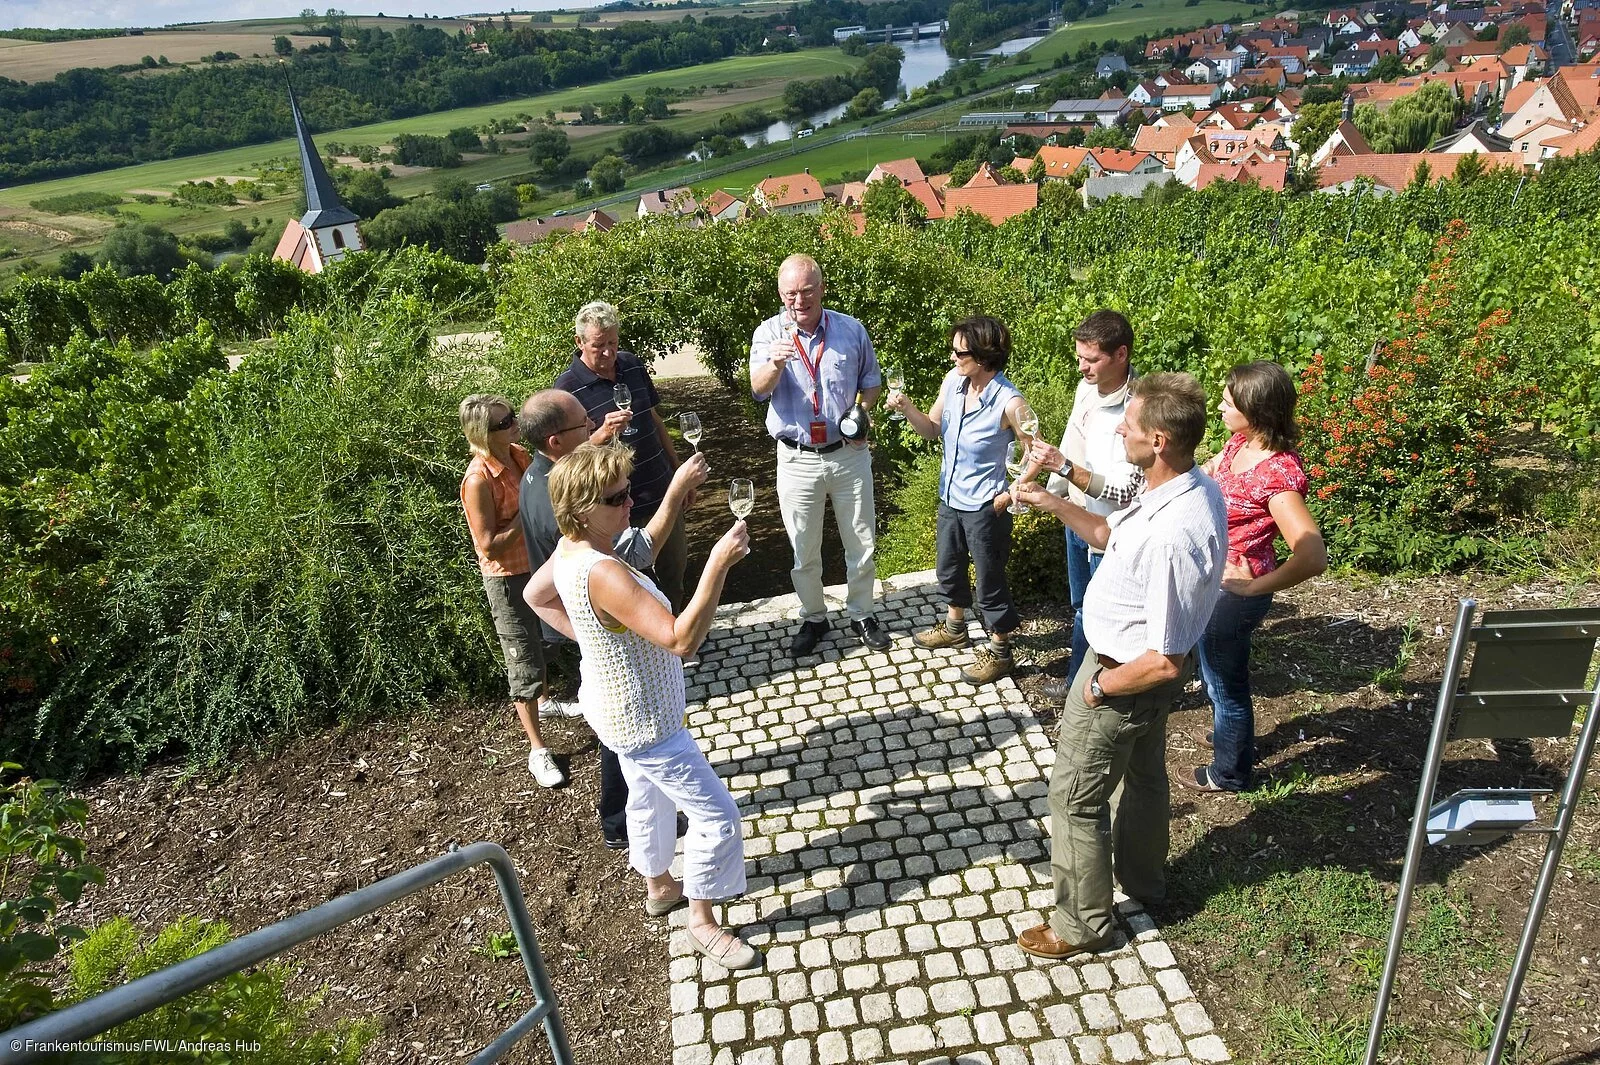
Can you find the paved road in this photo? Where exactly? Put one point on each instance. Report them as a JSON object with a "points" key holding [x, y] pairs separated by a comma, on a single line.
{"points": [[896, 835], [1558, 39]]}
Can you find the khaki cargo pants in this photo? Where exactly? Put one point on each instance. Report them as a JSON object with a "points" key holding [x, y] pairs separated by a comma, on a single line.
{"points": [[1109, 804]]}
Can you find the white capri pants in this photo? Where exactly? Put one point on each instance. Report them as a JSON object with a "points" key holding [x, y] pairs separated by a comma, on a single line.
{"points": [[674, 775]]}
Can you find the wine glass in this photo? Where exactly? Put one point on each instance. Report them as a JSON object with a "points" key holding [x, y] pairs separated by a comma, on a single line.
{"points": [[741, 497], [622, 396], [897, 383], [1016, 465], [1028, 422], [689, 425]]}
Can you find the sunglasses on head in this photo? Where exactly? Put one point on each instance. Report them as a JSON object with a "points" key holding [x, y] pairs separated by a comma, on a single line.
{"points": [[505, 423], [617, 499]]}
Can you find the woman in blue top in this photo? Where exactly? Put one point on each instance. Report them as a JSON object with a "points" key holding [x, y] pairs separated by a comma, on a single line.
{"points": [[977, 416]]}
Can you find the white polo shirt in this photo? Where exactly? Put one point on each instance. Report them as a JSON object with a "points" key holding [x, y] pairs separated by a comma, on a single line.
{"points": [[1162, 572]]}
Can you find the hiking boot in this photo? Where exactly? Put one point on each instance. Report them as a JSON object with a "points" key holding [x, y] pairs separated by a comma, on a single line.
{"points": [[987, 667], [940, 636]]}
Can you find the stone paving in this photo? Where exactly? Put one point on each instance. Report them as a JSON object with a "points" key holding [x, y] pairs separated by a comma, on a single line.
{"points": [[896, 836]]}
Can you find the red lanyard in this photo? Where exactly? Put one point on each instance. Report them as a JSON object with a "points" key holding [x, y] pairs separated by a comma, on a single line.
{"points": [[814, 369]]}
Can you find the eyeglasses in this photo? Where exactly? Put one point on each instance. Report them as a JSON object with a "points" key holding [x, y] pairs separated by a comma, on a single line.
{"points": [[617, 499], [584, 425], [505, 423]]}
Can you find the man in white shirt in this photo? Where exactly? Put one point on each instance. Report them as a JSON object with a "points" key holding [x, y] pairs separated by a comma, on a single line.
{"points": [[1145, 610], [1090, 467]]}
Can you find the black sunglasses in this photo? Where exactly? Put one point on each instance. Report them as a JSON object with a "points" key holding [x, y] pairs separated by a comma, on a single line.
{"points": [[505, 423], [618, 499]]}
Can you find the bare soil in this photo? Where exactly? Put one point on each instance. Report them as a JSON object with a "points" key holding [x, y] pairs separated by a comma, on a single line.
{"points": [[344, 807]]}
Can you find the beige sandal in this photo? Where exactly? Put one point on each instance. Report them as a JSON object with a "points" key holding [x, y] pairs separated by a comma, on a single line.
{"points": [[662, 907], [727, 950]]}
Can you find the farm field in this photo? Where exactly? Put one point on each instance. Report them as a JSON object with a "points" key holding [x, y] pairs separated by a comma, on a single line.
{"points": [[36, 61], [1124, 22], [753, 81]]}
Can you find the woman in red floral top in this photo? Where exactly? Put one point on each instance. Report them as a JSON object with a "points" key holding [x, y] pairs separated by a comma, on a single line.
{"points": [[1264, 485]]}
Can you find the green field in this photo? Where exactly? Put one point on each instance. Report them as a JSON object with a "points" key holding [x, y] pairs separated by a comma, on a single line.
{"points": [[1125, 22], [754, 80]]}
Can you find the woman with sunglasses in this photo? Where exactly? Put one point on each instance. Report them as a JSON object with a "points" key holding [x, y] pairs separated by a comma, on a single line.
{"points": [[977, 415], [632, 691], [489, 495], [1264, 484]]}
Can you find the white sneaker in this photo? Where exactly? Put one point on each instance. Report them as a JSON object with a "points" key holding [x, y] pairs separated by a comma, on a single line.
{"points": [[560, 708], [543, 767]]}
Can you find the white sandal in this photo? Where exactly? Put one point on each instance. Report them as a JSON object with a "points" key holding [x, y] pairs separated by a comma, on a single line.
{"points": [[727, 950]]}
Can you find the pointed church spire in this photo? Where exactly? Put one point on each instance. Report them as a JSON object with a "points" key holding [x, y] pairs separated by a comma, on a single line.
{"points": [[323, 208]]}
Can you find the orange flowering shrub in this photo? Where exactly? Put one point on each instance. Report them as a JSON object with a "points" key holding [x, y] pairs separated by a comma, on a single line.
{"points": [[1400, 449]]}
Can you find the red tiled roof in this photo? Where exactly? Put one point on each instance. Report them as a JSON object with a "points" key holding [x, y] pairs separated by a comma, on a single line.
{"points": [[996, 203], [790, 190], [986, 178], [1117, 160], [1397, 170], [924, 193], [1269, 175], [907, 170], [718, 202], [1059, 162]]}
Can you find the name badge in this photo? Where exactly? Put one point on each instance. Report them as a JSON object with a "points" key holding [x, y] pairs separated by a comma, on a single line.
{"points": [[819, 433]]}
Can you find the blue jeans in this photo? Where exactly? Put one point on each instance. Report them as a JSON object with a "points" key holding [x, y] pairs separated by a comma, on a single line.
{"points": [[1081, 564], [1224, 653]]}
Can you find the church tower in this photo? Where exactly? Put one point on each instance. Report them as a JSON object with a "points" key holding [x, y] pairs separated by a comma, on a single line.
{"points": [[327, 231]]}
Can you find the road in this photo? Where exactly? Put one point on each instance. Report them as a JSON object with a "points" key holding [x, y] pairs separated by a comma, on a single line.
{"points": [[1557, 38]]}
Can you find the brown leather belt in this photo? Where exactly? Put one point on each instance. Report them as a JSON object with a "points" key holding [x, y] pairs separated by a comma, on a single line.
{"points": [[1107, 662]]}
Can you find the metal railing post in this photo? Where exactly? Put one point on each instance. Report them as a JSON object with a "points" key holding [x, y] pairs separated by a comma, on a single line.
{"points": [[1419, 823], [1547, 877], [83, 1020]]}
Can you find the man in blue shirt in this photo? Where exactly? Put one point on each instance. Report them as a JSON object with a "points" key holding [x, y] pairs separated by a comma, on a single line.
{"points": [[811, 366], [597, 368]]}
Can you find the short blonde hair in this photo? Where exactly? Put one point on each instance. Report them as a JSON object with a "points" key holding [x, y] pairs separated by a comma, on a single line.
{"points": [[597, 314], [578, 480], [476, 416]]}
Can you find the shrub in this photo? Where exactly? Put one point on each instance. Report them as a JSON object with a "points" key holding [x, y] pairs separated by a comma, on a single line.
{"points": [[41, 867], [249, 1008], [76, 202], [1401, 451], [1037, 568]]}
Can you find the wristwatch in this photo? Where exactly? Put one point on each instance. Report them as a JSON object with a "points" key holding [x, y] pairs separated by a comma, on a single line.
{"points": [[1094, 686]]}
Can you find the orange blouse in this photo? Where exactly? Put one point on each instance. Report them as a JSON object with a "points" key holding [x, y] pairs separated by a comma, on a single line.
{"points": [[505, 482]]}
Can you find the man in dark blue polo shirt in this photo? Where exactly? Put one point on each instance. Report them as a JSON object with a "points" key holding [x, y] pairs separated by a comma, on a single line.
{"points": [[597, 368]]}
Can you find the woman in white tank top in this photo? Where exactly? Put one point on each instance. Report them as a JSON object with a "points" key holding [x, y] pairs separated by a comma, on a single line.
{"points": [[632, 695]]}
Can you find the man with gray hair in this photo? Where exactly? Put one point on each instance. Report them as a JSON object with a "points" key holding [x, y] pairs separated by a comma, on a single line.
{"points": [[812, 367], [597, 368], [554, 423]]}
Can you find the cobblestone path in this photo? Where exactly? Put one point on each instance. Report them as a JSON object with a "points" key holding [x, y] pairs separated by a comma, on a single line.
{"points": [[896, 834]]}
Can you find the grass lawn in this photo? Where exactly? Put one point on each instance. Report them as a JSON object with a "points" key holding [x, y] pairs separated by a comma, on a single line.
{"points": [[1126, 21]]}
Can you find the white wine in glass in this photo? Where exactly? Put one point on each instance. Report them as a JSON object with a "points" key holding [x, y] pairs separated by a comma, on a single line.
{"points": [[689, 425], [897, 383], [1016, 466], [1028, 422], [741, 497], [622, 396]]}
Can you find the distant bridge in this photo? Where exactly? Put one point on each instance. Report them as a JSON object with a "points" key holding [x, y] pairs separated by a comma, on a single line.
{"points": [[914, 32]]}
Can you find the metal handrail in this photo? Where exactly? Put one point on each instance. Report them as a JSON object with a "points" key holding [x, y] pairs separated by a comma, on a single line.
{"points": [[42, 1038]]}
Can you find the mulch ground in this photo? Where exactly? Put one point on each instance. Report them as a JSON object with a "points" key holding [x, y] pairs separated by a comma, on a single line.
{"points": [[340, 809]]}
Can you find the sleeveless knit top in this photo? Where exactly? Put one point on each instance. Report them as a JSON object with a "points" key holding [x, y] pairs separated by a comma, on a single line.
{"points": [[630, 690], [973, 469]]}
